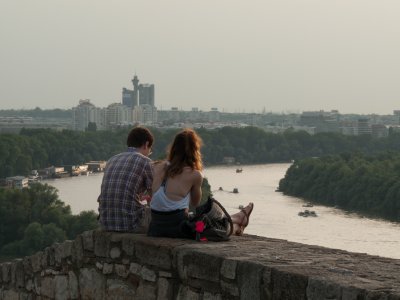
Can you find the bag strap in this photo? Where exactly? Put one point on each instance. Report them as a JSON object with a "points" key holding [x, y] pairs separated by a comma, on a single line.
{"points": [[226, 214]]}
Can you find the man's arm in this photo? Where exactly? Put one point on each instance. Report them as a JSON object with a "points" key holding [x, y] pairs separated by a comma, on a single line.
{"points": [[148, 174]]}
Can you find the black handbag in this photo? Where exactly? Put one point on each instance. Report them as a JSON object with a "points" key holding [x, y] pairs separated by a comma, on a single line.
{"points": [[217, 223]]}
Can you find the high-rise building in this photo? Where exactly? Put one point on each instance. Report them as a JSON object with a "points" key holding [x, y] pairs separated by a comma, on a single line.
{"points": [[145, 114], [85, 113], [118, 114], [363, 126], [141, 94], [127, 98], [146, 94]]}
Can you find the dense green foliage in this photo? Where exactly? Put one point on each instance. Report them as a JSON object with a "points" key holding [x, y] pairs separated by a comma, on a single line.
{"points": [[39, 148], [355, 182], [37, 113], [31, 219]]}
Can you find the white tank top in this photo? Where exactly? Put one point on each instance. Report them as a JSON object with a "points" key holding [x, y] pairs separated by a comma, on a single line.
{"points": [[160, 201]]}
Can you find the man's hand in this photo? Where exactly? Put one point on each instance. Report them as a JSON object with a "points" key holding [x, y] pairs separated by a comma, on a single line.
{"points": [[146, 198]]}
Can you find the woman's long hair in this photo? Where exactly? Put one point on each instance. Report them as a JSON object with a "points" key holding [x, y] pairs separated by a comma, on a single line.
{"points": [[184, 152]]}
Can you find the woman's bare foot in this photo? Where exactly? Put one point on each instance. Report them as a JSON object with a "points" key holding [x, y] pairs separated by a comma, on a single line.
{"points": [[241, 219]]}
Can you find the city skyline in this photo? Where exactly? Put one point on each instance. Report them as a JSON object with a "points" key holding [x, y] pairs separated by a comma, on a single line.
{"points": [[285, 56]]}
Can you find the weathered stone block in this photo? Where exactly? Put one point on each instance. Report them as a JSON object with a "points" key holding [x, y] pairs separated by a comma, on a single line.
{"points": [[118, 237], [185, 293], [101, 243], [73, 285], [37, 284], [25, 296], [115, 253], [180, 265], [164, 289], [108, 268], [154, 256], [47, 288], [249, 280], [48, 259], [121, 270], [6, 272], [29, 285], [135, 268], [63, 251], [230, 288], [146, 291], [36, 260], [377, 295], [50, 272], [203, 285], [165, 274], [11, 295], [148, 274], [203, 266], [17, 273], [77, 251], [209, 296], [26, 261], [228, 268], [350, 293], [119, 290], [318, 289], [62, 289], [88, 242], [128, 245], [267, 283], [92, 284]]}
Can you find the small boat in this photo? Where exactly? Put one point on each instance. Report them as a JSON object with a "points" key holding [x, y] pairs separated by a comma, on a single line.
{"points": [[239, 170], [308, 204], [307, 213], [220, 188], [235, 191], [241, 206]]}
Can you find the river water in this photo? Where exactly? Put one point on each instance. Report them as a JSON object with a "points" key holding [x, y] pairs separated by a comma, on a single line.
{"points": [[275, 215]]}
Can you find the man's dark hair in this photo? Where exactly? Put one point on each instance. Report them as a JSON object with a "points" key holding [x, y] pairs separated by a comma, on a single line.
{"points": [[138, 137]]}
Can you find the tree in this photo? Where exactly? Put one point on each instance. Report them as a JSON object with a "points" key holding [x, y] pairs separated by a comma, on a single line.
{"points": [[92, 126]]}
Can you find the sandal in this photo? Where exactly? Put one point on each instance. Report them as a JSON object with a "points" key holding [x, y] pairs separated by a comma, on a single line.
{"points": [[247, 215]]}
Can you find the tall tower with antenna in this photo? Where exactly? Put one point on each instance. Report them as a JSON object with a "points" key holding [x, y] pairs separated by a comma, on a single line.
{"points": [[135, 98]]}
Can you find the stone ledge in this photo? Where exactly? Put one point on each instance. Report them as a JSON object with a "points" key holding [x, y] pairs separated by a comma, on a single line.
{"points": [[98, 264]]}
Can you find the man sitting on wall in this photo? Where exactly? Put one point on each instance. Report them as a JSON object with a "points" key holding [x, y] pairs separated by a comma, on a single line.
{"points": [[127, 177]]}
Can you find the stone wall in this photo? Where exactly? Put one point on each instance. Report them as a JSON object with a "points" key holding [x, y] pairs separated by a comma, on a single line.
{"points": [[100, 265]]}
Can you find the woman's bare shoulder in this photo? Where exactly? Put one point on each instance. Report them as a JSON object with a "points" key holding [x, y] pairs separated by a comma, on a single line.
{"points": [[160, 166], [194, 173]]}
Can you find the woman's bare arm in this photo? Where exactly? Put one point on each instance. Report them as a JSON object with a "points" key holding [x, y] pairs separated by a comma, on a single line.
{"points": [[195, 192], [159, 172]]}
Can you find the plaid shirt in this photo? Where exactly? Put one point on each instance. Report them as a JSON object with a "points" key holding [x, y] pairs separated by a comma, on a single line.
{"points": [[126, 176]]}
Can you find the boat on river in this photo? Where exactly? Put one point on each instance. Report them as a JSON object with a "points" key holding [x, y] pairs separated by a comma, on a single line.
{"points": [[239, 170], [307, 213]]}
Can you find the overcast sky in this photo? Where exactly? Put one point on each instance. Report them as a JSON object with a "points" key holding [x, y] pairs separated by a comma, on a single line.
{"points": [[283, 55]]}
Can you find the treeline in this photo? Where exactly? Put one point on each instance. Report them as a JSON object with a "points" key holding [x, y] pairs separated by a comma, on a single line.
{"points": [[32, 219], [39, 148], [355, 182], [37, 113]]}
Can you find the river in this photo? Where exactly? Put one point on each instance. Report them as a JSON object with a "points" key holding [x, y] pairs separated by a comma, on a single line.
{"points": [[275, 215]]}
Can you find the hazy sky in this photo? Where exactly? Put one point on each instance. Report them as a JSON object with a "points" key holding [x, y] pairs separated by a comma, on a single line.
{"points": [[284, 55]]}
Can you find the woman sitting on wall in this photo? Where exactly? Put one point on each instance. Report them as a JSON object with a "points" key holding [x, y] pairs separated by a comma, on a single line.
{"points": [[177, 184]]}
